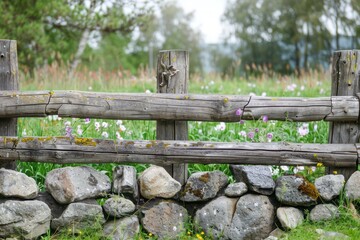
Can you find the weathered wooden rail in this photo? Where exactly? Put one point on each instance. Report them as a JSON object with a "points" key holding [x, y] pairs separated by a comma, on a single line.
{"points": [[171, 107], [183, 107], [87, 150]]}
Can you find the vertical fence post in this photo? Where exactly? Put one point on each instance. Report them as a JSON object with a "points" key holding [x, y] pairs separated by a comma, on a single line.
{"points": [[172, 77], [345, 82], [9, 80]]}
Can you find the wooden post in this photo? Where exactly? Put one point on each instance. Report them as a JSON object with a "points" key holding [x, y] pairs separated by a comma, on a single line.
{"points": [[9, 80], [345, 82], [172, 77]]}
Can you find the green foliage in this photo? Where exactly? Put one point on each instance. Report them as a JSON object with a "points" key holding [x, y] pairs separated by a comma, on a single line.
{"points": [[345, 224], [290, 34], [50, 31]]}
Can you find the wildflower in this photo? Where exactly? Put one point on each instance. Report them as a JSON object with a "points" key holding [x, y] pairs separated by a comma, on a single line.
{"points": [[122, 128], [303, 130], [199, 237], [239, 112], [79, 130], [90, 88], [275, 171], [104, 124], [24, 132], [252, 94], [265, 118], [105, 135], [322, 91], [242, 133], [147, 91], [68, 131], [189, 233], [302, 88], [150, 234], [284, 168], [300, 168], [211, 83], [251, 135], [242, 121], [315, 127], [256, 130], [269, 137], [200, 131], [118, 136], [319, 164], [291, 87], [118, 122], [97, 126], [67, 123], [335, 172], [202, 233], [263, 94], [87, 120], [220, 127]]}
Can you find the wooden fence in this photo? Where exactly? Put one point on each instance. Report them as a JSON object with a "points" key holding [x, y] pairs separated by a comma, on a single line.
{"points": [[172, 107]]}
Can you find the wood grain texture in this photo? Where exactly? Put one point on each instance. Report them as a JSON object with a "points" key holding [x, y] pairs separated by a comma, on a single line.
{"points": [[177, 84], [87, 150], [345, 82], [9, 80], [184, 107]]}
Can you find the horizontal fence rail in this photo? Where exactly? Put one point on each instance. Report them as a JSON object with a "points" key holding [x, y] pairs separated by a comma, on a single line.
{"points": [[87, 150], [193, 107]]}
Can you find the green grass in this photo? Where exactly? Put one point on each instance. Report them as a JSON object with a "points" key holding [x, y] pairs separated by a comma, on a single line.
{"points": [[345, 224], [314, 84]]}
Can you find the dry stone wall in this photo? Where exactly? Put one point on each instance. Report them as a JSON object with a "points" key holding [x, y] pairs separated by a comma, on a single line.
{"points": [[250, 208]]}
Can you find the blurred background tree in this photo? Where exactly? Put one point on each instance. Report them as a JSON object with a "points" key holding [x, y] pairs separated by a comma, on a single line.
{"points": [[289, 34]]}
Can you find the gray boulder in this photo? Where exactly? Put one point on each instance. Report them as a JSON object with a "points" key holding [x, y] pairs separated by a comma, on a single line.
{"points": [[323, 212], [289, 217], [125, 182], [288, 192], [330, 186], [253, 218], [276, 234], [117, 206], [202, 186], [352, 189], [79, 216], [236, 189], [72, 184], [157, 182], [122, 229], [215, 216], [17, 184], [165, 220], [24, 219], [257, 178]]}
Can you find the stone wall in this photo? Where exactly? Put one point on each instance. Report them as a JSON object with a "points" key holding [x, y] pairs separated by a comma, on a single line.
{"points": [[250, 208]]}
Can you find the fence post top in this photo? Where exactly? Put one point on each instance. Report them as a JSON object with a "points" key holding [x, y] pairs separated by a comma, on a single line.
{"points": [[173, 50]]}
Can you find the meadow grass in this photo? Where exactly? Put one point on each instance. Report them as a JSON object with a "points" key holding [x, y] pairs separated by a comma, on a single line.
{"points": [[313, 84]]}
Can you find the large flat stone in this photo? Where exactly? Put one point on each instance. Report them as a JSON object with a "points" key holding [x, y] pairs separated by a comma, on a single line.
{"points": [[72, 184]]}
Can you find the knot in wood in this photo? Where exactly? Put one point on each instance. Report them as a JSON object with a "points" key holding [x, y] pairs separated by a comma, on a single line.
{"points": [[168, 71]]}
